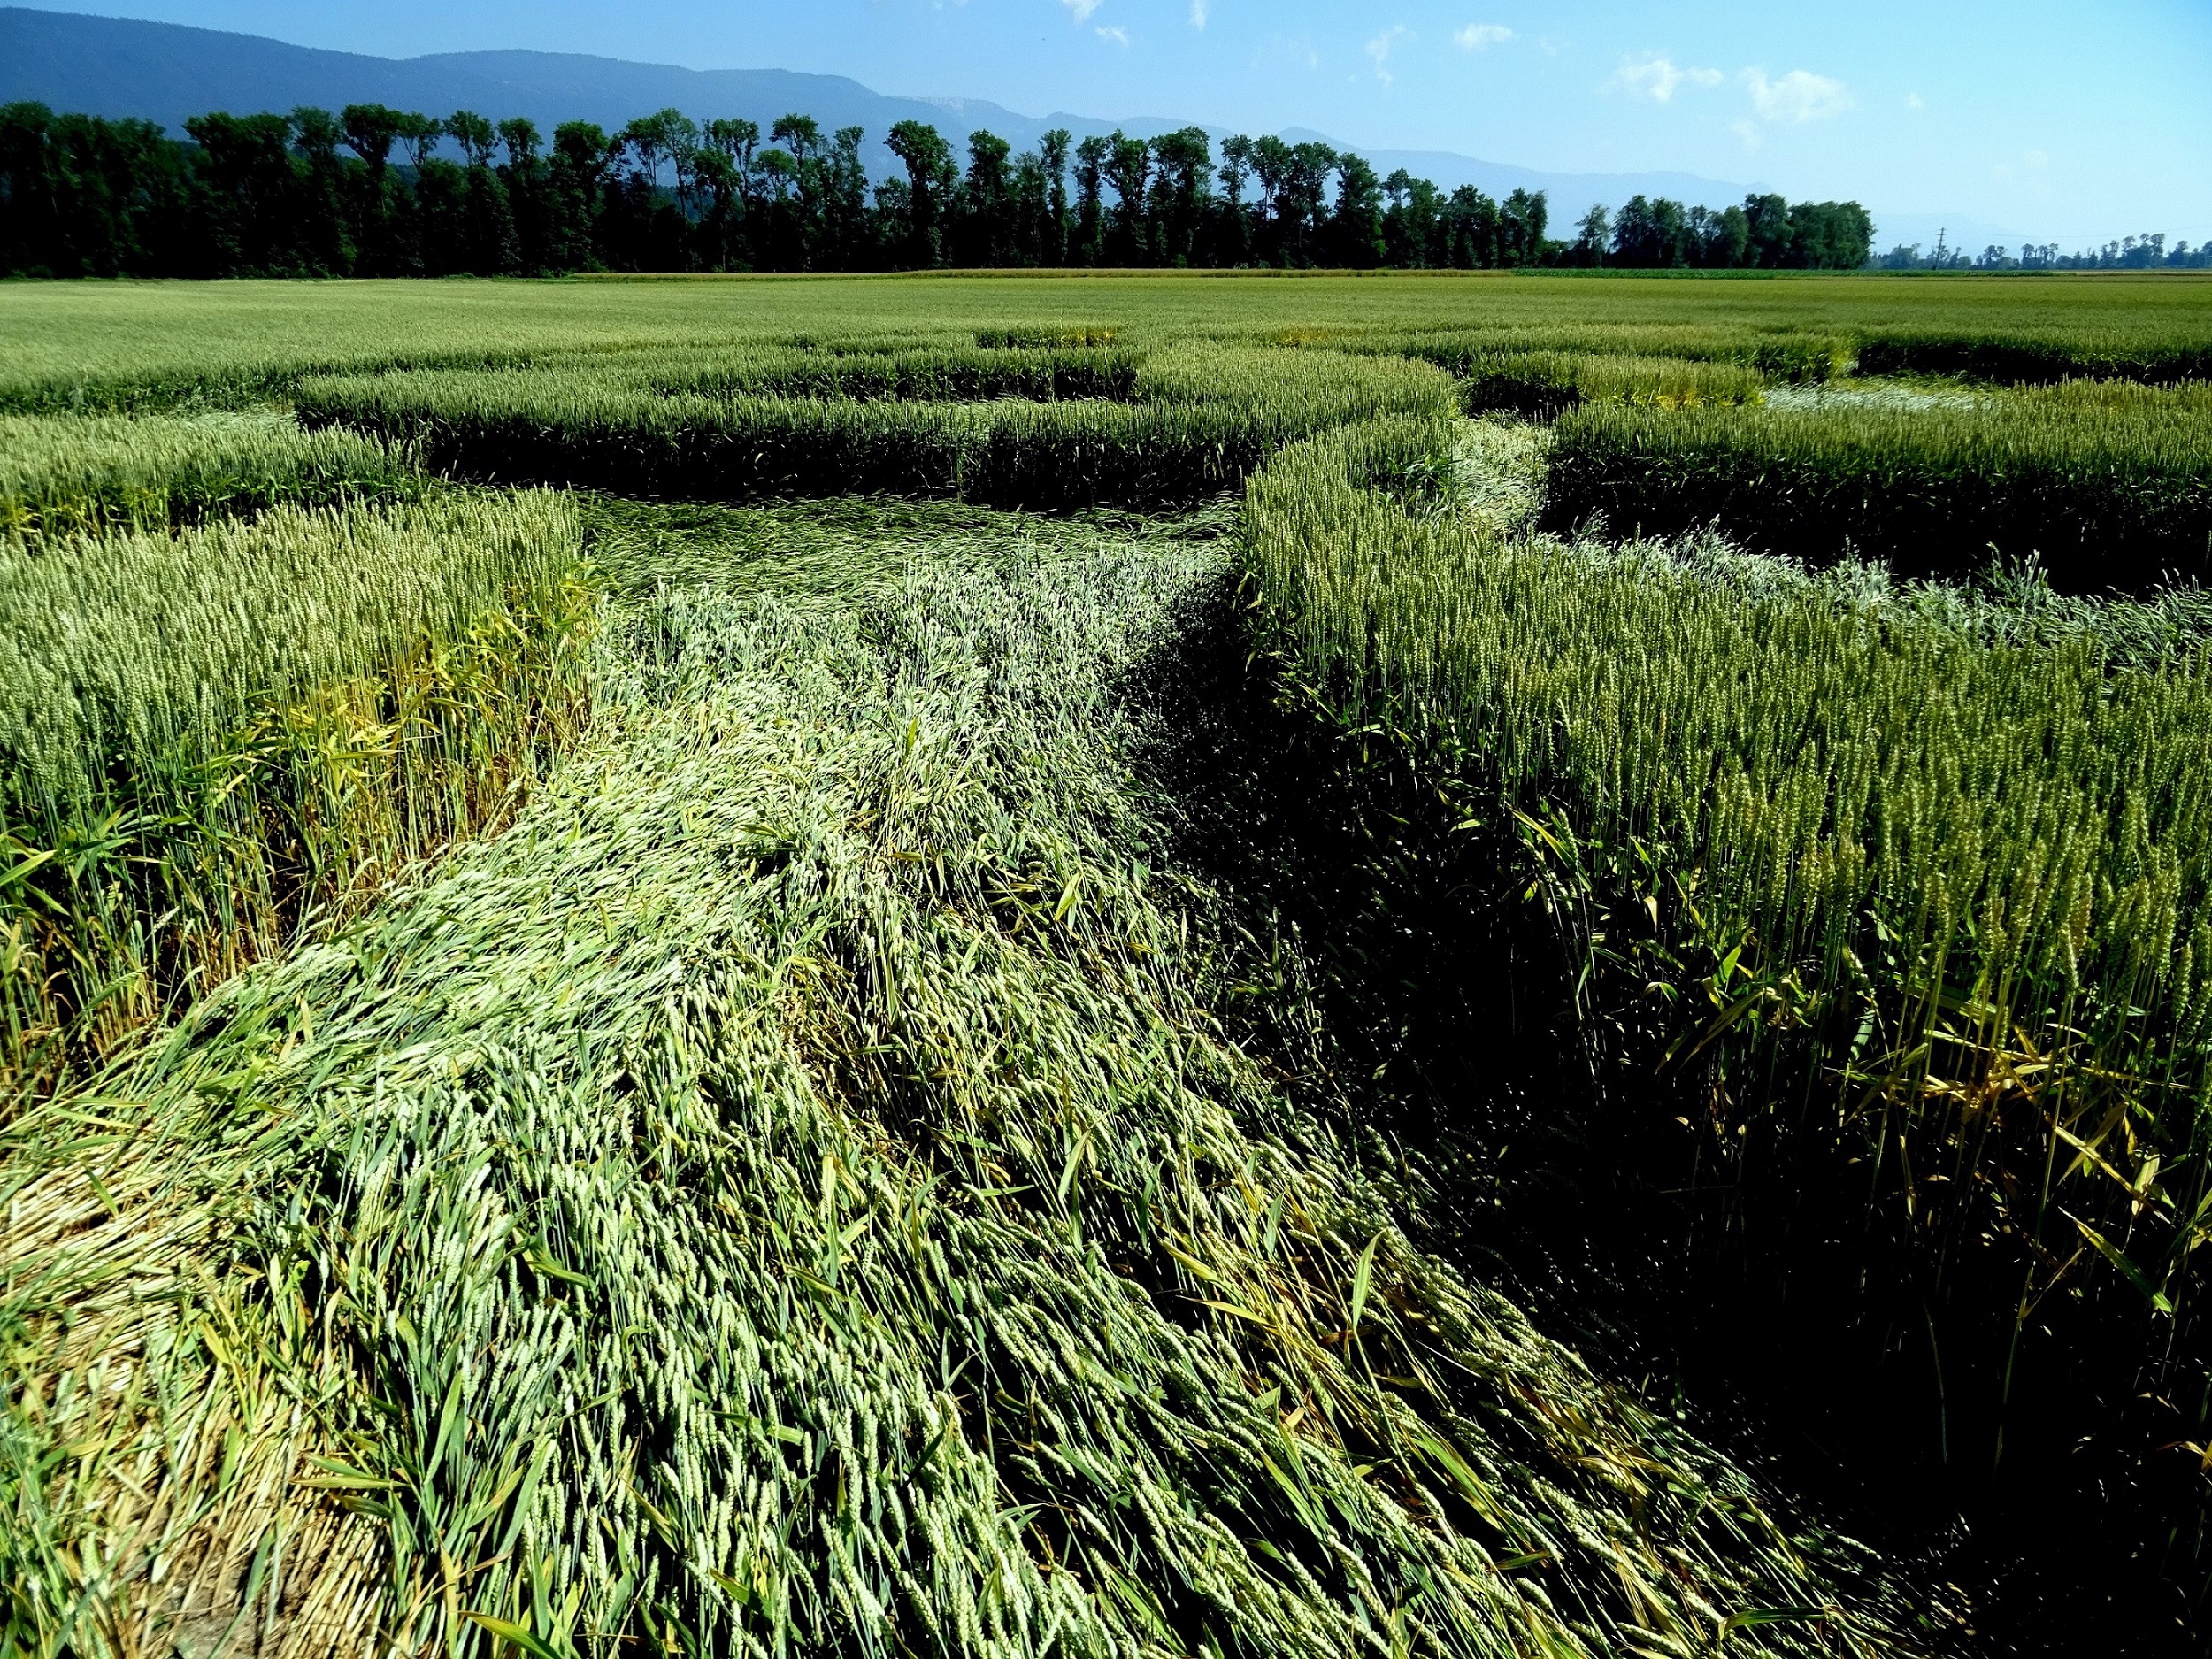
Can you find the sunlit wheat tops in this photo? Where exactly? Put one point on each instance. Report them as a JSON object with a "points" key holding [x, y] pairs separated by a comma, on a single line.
{"points": [[209, 732], [114, 647], [61, 475]]}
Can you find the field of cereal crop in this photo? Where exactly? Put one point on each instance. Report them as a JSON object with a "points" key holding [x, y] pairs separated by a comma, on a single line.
{"points": [[1415, 965]]}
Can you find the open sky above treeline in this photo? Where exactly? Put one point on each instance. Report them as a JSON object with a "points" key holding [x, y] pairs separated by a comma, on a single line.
{"points": [[2072, 121]]}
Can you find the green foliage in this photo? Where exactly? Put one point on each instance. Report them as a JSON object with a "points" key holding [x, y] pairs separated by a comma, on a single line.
{"points": [[931, 372], [835, 1016], [1198, 422], [1547, 382], [234, 721], [62, 475], [1927, 870], [791, 1195], [2107, 487], [66, 345], [2122, 350]]}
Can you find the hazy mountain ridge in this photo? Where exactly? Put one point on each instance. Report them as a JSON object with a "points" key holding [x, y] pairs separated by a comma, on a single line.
{"points": [[165, 71]]}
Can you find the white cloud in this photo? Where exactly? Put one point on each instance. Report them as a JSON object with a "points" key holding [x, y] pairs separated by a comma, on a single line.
{"points": [[1476, 36], [1748, 132], [1657, 77], [1082, 8], [1797, 97], [1912, 101], [1117, 34], [1199, 11], [1380, 47]]}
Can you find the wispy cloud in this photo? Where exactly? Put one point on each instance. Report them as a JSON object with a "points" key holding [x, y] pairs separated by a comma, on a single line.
{"points": [[1478, 37], [1082, 8], [1199, 13], [1913, 101], [1117, 34], [1797, 97], [1658, 78], [1379, 49]]}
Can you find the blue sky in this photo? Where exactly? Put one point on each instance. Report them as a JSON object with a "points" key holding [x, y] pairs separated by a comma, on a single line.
{"points": [[2064, 121]]}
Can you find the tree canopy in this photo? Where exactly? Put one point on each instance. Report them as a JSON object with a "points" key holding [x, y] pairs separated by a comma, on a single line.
{"points": [[375, 191]]}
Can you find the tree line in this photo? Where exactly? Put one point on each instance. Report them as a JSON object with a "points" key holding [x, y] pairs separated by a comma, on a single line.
{"points": [[1765, 233], [2146, 252], [375, 191]]}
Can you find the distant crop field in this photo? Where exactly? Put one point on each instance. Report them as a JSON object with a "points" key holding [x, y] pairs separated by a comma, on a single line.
{"points": [[1139, 965], [168, 338]]}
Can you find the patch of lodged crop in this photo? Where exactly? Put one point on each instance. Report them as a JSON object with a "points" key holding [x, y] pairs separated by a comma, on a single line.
{"points": [[207, 730], [790, 1193], [1198, 419], [2109, 486], [64, 474]]}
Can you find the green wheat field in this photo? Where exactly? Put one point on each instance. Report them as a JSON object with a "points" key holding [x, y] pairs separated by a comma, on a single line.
{"points": [[633, 1023]]}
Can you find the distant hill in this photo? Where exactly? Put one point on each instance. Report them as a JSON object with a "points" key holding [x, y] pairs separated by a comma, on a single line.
{"points": [[165, 72]]}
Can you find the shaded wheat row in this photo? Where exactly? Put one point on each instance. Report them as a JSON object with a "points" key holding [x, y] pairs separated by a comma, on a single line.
{"points": [[2108, 488], [1197, 422], [1934, 876]]}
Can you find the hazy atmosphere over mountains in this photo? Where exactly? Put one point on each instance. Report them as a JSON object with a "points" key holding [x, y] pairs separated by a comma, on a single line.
{"points": [[115, 66]]}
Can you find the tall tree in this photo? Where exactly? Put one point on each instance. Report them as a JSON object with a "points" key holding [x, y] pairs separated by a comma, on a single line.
{"points": [[487, 217], [82, 196], [1767, 231], [1593, 236], [1356, 228], [1032, 211], [1232, 241], [987, 207], [1521, 219], [1090, 217], [1470, 236], [724, 167], [1840, 235], [370, 130], [929, 182], [1731, 239], [1305, 192], [1052, 155], [426, 233], [796, 177], [326, 246], [848, 239], [583, 161], [1181, 185], [527, 182], [1128, 165], [653, 229], [30, 228], [1412, 222], [253, 190]]}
